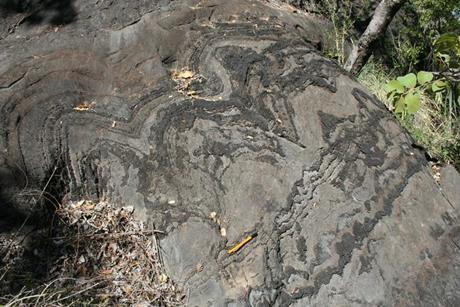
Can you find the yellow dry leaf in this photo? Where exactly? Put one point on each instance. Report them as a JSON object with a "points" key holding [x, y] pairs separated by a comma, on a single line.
{"points": [[84, 106], [184, 74], [163, 278]]}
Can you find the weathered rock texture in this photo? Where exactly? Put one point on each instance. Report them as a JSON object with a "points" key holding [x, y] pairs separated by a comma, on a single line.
{"points": [[267, 136]]}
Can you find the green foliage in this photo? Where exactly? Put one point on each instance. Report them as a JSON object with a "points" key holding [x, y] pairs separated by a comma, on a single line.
{"points": [[415, 70], [447, 88], [447, 51], [340, 13], [448, 42], [435, 97], [438, 14], [429, 126], [408, 46], [405, 92], [424, 77], [409, 81], [396, 86]]}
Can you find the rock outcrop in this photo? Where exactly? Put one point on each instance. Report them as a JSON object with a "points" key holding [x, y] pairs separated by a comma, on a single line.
{"points": [[217, 119]]}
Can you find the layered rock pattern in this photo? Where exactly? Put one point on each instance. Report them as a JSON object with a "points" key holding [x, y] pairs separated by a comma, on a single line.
{"points": [[218, 119]]}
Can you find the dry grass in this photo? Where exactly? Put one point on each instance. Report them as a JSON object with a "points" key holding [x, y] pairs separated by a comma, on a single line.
{"points": [[374, 77], [437, 132], [106, 257]]}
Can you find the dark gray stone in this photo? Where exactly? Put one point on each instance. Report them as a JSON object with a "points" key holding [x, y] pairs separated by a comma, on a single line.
{"points": [[269, 137]]}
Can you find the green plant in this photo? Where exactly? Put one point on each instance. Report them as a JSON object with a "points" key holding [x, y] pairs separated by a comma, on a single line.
{"points": [[405, 92], [447, 88], [428, 104], [439, 15], [423, 49], [340, 13], [447, 48], [427, 114], [409, 44]]}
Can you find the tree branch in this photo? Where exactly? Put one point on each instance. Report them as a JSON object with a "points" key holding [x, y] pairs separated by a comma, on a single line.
{"points": [[382, 17]]}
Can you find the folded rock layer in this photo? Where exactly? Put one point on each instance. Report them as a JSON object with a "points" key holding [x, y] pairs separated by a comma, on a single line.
{"points": [[220, 119]]}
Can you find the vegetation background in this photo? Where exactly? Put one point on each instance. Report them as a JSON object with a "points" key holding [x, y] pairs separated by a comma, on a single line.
{"points": [[414, 69]]}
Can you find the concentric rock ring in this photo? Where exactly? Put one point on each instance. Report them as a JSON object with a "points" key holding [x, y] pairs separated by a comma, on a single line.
{"points": [[218, 119]]}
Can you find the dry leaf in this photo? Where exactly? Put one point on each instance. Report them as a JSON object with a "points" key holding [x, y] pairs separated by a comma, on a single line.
{"points": [[163, 278], [184, 74], [84, 106], [125, 258]]}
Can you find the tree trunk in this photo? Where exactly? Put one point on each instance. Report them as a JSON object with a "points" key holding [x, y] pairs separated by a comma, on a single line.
{"points": [[217, 119], [382, 17]]}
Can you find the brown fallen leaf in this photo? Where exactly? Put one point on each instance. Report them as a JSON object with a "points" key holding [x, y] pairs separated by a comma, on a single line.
{"points": [[84, 106]]}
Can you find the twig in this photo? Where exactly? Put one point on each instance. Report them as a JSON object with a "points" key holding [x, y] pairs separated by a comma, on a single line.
{"points": [[7, 268], [47, 286], [133, 265], [20, 299], [157, 246], [115, 235], [76, 293]]}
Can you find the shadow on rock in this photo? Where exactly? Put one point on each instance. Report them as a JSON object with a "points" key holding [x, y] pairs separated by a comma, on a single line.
{"points": [[54, 12], [25, 246]]}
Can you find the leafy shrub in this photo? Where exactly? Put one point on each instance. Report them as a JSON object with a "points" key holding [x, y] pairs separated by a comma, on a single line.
{"points": [[405, 91], [437, 96]]}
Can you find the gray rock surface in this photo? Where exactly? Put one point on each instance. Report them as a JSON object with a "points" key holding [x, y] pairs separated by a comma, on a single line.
{"points": [[450, 185], [267, 136]]}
